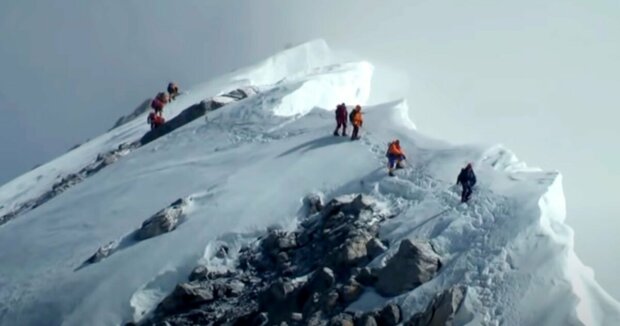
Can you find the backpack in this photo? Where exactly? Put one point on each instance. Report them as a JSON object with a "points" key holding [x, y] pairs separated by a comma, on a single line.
{"points": [[351, 115]]}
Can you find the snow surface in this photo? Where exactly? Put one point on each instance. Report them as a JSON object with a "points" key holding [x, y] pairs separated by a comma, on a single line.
{"points": [[249, 167]]}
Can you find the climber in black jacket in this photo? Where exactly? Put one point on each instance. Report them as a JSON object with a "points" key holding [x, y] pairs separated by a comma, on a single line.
{"points": [[467, 179]]}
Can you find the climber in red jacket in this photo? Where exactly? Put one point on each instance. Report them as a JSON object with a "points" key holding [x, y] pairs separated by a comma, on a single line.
{"points": [[341, 119], [159, 102], [155, 120]]}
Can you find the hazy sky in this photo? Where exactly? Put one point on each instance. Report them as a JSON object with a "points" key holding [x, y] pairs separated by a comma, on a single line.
{"points": [[542, 78]]}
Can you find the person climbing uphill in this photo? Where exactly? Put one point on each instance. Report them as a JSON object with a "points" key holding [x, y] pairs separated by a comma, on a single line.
{"points": [[467, 179], [155, 120], [341, 119], [173, 91], [395, 157], [159, 102], [357, 121]]}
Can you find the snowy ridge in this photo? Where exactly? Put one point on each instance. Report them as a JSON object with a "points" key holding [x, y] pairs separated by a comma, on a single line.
{"points": [[248, 168]]}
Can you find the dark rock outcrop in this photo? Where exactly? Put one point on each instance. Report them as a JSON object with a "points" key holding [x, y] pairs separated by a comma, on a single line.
{"points": [[188, 115], [313, 203], [375, 247], [390, 315], [304, 277], [70, 180], [196, 111], [186, 295], [163, 221], [143, 107], [441, 310], [366, 320], [102, 253], [351, 291], [414, 263], [308, 276]]}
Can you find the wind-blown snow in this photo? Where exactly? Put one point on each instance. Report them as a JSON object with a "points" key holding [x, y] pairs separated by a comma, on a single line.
{"points": [[249, 166]]}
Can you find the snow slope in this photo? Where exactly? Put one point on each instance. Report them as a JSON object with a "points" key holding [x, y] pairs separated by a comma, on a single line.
{"points": [[249, 167]]}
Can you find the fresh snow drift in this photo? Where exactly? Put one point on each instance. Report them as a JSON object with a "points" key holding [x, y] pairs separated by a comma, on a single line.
{"points": [[249, 166]]}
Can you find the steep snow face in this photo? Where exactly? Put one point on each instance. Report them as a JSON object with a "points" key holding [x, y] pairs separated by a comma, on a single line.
{"points": [[249, 167], [313, 56]]}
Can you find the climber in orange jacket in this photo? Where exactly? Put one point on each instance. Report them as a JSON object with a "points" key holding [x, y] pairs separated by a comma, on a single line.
{"points": [[395, 156], [357, 121]]}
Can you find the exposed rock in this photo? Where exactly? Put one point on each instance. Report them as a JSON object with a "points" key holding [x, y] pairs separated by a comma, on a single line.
{"points": [[199, 273], [288, 241], [234, 288], [355, 207], [279, 299], [441, 310], [341, 320], [360, 203], [143, 107], [163, 221], [366, 320], [351, 291], [194, 112], [339, 236], [366, 276], [313, 203], [278, 291], [331, 300], [278, 240], [71, 179], [390, 315], [351, 253], [282, 257], [375, 247], [296, 316], [414, 263], [316, 320], [185, 295], [102, 253], [322, 280], [261, 320], [222, 252]]}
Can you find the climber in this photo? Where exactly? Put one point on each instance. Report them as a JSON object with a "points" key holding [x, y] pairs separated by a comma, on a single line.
{"points": [[341, 119], [155, 120], [356, 119], [395, 157], [159, 102], [151, 120], [173, 90], [467, 179]]}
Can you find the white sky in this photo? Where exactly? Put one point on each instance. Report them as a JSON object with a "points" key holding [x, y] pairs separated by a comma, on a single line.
{"points": [[541, 78]]}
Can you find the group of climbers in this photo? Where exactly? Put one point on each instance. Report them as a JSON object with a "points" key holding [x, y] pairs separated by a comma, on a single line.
{"points": [[156, 117], [395, 154], [355, 117]]}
